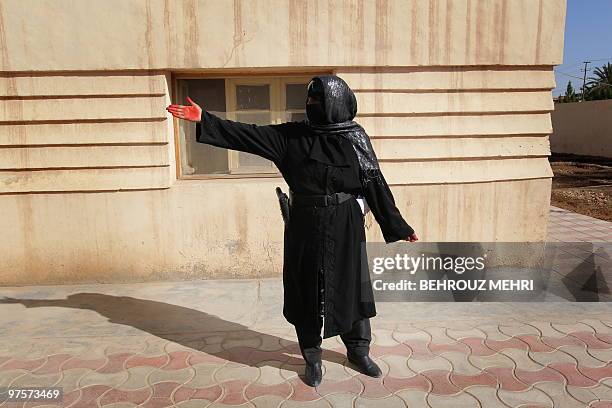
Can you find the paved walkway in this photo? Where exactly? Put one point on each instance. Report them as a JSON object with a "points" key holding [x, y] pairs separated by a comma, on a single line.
{"points": [[225, 343], [567, 226]]}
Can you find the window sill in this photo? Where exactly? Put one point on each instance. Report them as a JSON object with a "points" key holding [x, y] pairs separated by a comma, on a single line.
{"points": [[229, 176]]}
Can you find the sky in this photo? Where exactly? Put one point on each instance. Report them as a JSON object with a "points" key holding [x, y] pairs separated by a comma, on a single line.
{"points": [[588, 36]]}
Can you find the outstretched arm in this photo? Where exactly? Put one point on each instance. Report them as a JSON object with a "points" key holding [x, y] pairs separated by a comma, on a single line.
{"points": [[380, 200], [266, 141]]}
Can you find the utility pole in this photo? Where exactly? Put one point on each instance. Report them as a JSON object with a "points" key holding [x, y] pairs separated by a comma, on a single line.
{"points": [[586, 63]]}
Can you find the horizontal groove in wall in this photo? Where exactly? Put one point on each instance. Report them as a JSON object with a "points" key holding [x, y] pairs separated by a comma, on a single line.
{"points": [[440, 68], [390, 149], [101, 84], [77, 168], [448, 90], [461, 136], [456, 171], [81, 96], [37, 146], [82, 109], [127, 190], [457, 125], [458, 158], [469, 182], [88, 133], [447, 114], [85, 179], [71, 121], [98, 156]]}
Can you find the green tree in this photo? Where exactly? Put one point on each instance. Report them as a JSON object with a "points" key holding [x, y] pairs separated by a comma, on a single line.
{"points": [[600, 86], [570, 94]]}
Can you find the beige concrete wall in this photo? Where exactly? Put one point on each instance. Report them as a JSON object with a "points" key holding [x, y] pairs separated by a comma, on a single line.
{"points": [[455, 95], [582, 128]]}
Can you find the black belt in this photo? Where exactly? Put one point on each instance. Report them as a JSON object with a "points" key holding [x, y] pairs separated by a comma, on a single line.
{"points": [[311, 200]]}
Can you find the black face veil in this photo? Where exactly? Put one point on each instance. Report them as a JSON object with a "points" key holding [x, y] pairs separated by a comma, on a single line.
{"points": [[335, 122]]}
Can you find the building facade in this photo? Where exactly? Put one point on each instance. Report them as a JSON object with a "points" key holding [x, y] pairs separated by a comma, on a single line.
{"points": [[99, 183]]}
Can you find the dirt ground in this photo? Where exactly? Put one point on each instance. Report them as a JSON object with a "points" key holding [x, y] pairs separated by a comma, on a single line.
{"points": [[582, 184]]}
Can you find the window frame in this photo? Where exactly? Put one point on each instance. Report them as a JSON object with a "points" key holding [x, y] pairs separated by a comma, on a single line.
{"points": [[277, 82]]}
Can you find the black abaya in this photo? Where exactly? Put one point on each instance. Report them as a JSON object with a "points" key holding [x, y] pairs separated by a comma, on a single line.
{"points": [[319, 239]]}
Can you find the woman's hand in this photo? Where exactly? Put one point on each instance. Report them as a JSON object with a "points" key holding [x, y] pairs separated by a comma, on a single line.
{"points": [[412, 238], [191, 112]]}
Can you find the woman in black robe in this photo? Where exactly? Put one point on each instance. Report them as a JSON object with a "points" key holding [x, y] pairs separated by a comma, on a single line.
{"points": [[327, 161]]}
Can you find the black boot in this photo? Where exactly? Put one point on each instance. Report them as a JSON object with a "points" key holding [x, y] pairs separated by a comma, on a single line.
{"points": [[313, 374], [365, 365], [310, 346]]}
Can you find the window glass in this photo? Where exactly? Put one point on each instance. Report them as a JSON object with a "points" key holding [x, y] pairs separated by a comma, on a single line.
{"points": [[296, 96], [200, 158], [252, 97]]}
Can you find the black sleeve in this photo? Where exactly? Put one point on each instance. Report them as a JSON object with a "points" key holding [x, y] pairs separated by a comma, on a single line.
{"points": [[380, 200], [266, 141]]}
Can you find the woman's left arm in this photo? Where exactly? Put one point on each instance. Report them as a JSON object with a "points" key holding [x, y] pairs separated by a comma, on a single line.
{"points": [[380, 200]]}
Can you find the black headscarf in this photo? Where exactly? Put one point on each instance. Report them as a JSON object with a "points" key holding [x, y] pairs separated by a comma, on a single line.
{"points": [[335, 124]]}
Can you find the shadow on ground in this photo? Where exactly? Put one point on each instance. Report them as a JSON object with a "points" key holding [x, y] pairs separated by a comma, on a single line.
{"points": [[183, 326]]}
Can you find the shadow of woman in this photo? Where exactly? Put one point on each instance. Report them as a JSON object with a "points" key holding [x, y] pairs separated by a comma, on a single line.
{"points": [[185, 326]]}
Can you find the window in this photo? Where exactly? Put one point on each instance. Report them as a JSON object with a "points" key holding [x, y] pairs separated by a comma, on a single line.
{"points": [[259, 100]]}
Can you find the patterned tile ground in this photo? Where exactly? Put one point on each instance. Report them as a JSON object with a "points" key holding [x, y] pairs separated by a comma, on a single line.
{"points": [[225, 344], [567, 226]]}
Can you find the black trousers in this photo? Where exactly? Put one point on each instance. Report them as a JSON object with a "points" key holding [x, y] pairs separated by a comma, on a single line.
{"points": [[357, 340]]}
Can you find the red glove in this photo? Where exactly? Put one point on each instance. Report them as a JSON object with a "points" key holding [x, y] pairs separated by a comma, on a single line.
{"points": [[191, 112], [412, 238]]}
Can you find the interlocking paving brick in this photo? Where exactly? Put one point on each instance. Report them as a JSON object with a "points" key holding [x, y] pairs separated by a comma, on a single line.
{"points": [[350, 385], [440, 382], [463, 381], [185, 393], [495, 360], [583, 395], [268, 401], [460, 363], [398, 366], [137, 378], [373, 387], [384, 337], [320, 403], [7, 377], [237, 372], [435, 363], [181, 376], [521, 359], [518, 329], [460, 400], [418, 382], [559, 395], [533, 396], [602, 391], [507, 379], [335, 371], [70, 379], [413, 398], [254, 390], [392, 401], [95, 377], [31, 380], [457, 334], [555, 356], [602, 355], [341, 400], [581, 356], [487, 396]]}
